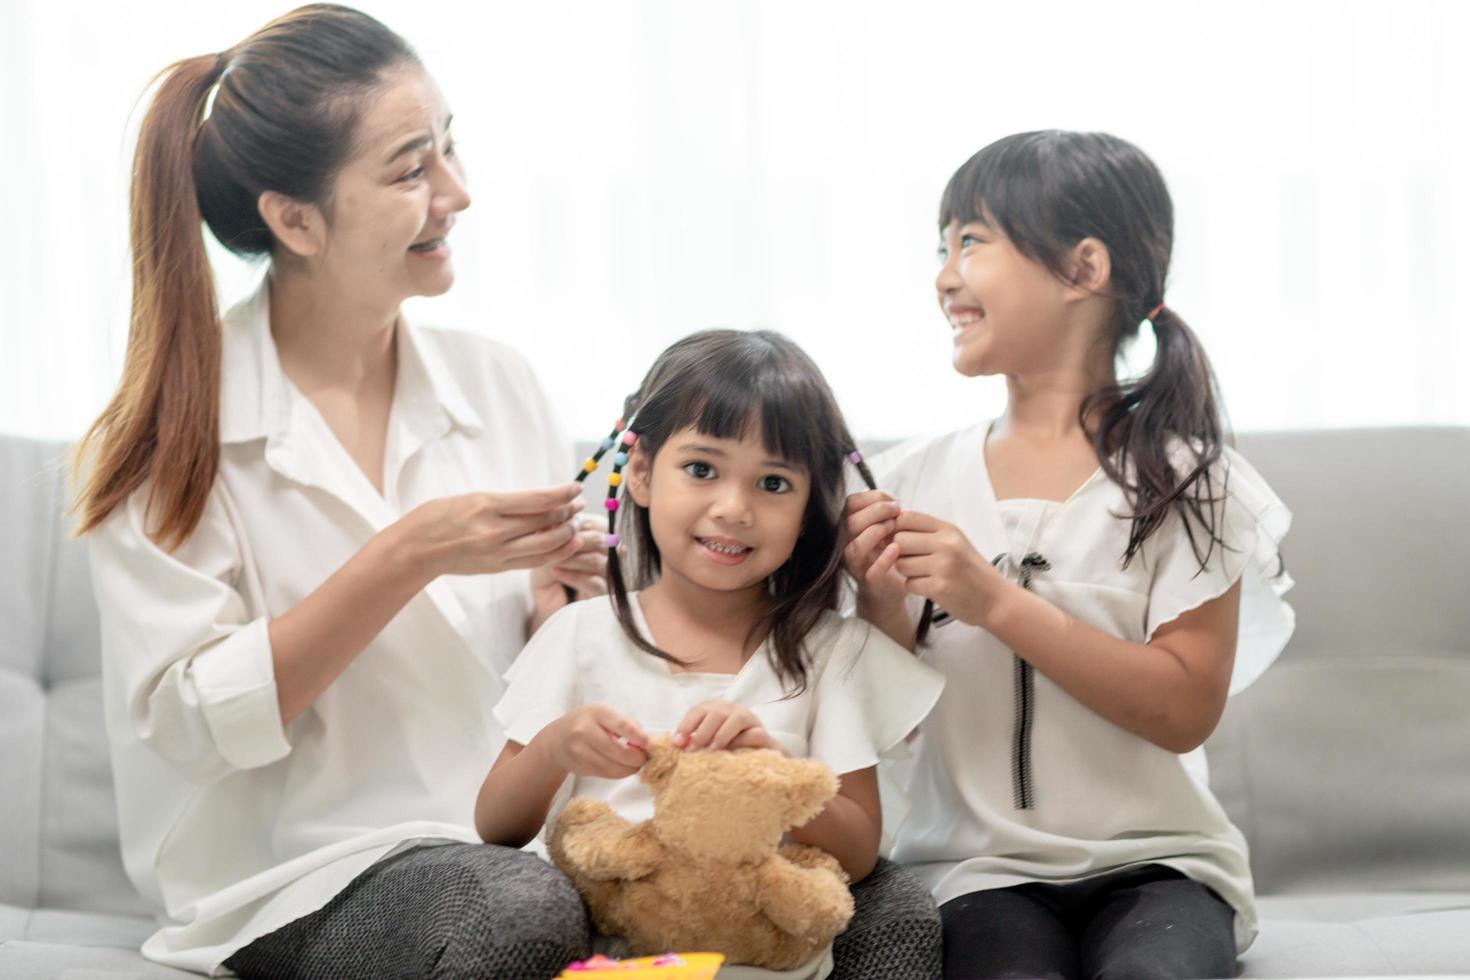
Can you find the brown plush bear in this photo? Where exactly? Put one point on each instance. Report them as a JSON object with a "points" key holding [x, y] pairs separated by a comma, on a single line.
{"points": [[706, 873]]}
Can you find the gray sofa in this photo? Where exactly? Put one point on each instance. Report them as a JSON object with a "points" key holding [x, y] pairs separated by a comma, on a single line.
{"points": [[1347, 765]]}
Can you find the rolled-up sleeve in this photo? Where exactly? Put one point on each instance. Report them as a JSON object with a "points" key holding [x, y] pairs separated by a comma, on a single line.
{"points": [[186, 655]]}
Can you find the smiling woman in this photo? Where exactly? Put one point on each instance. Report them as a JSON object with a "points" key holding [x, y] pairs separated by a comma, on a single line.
{"points": [[311, 483]]}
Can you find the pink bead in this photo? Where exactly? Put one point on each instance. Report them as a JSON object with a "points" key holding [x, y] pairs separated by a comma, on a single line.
{"points": [[855, 456], [630, 437], [611, 503], [613, 540]]}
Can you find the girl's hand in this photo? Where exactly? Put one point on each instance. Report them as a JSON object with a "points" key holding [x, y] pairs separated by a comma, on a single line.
{"points": [[870, 519], [484, 533], [594, 740], [585, 573], [722, 725], [938, 562]]}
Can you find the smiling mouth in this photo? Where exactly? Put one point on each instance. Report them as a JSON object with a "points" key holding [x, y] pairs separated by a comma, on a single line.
{"points": [[724, 549], [968, 318]]}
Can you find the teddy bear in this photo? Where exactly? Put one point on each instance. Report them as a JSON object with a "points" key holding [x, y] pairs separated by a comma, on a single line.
{"points": [[708, 871]]}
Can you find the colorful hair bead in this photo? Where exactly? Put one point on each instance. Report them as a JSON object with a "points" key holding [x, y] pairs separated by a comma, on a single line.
{"points": [[854, 457], [630, 437], [620, 459], [589, 464], [611, 503], [612, 540], [614, 479]]}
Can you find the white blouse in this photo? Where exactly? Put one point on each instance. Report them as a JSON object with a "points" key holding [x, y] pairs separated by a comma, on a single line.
{"points": [[232, 824], [864, 694], [1096, 797]]}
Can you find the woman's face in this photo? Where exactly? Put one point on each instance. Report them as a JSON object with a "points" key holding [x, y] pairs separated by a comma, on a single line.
{"points": [[394, 202]]}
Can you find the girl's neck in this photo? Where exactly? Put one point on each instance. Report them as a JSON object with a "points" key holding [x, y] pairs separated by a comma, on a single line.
{"points": [[706, 628], [1045, 406], [326, 339]]}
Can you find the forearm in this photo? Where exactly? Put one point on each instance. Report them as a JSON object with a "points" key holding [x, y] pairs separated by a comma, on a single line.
{"points": [[847, 832], [517, 794], [1143, 688], [315, 640]]}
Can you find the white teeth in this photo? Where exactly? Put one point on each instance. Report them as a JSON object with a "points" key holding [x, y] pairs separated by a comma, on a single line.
{"points": [[964, 321], [725, 549]]}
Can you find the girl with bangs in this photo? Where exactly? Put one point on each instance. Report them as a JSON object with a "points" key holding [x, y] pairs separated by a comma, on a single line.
{"points": [[726, 633]]}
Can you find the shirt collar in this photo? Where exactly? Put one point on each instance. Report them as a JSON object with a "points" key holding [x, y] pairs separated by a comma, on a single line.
{"points": [[257, 400]]}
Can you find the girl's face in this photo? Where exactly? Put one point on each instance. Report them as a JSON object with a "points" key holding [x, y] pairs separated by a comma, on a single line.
{"points": [[393, 204], [1006, 311], [724, 513]]}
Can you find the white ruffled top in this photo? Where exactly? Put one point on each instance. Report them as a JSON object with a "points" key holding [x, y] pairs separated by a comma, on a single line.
{"points": [[864, 693], [1103, 798]]}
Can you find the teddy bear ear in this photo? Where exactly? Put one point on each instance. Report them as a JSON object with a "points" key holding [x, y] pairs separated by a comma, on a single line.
{"points": [[812, 786], [663, 755]]}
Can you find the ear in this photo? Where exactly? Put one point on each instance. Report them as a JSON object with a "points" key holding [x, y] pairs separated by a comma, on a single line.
{"points": [[1089, 269], [299, 227], [663, 756], [813, 784], [639, 472]]}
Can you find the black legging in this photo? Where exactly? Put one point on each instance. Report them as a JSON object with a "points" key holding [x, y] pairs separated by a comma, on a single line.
{"points": [[1138, 923]]}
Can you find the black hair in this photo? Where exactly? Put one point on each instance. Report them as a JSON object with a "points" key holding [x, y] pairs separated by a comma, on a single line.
{"points": [[1046, 191], [729, 384]]}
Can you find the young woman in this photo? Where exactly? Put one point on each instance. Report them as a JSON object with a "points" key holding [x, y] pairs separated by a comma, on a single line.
{"points": [[310, 524]]}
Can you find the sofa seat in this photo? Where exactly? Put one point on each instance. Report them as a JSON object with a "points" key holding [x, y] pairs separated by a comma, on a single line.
{"points": [[36, 943]]}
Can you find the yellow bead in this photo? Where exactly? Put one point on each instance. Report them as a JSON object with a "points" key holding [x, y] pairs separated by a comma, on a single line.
{"points": [[614, 479], [590, 464]]}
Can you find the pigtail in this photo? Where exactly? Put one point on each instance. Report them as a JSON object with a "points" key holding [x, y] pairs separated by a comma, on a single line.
{"points": [[1134, 426], [931, 616], [162, 425]]}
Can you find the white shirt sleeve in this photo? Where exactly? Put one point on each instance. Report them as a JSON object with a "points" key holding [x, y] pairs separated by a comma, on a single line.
{"points": [[192, 656], [1252, 521], [870, 695], [542, 684]]}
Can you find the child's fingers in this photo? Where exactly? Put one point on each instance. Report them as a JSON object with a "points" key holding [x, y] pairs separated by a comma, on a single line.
{"points": [[912, 520], [622, 753], [916, 542], [754, 737], [857, 501], [861, 546], [883, 564], [878, 513], [619, 727], [732, 726], [690, 722], [705, 730]]}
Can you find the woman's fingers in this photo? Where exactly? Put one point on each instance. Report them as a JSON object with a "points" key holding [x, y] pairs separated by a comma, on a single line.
{"points": [[531, 503]]}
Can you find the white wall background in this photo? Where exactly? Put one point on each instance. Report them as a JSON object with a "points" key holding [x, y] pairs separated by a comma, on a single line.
{"points": [[644, 169]]}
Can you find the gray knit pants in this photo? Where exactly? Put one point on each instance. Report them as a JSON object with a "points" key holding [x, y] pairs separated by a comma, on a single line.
{"points": [[895, 933], [441, 912]]}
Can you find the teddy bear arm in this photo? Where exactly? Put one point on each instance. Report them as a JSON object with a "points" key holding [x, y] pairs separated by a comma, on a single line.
{"points": [[608, 848], [804, 902]]}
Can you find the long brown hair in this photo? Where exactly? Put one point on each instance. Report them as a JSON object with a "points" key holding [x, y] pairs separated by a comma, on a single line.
{"points": [[1047, 191], [727, 383], [286, 102]]}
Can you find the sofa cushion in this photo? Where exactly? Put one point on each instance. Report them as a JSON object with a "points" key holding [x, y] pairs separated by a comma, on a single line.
{"points": [[1360, 935]]}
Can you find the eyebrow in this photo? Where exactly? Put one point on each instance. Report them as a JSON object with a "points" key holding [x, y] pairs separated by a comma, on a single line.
{"points": [[708, 450], [418, 142]]}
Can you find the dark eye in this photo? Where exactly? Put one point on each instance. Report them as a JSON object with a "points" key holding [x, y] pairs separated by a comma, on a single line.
{"points": [[698, 470], [775, 484], [412, 175], [449, 149], [970, 239], [942, 252]]}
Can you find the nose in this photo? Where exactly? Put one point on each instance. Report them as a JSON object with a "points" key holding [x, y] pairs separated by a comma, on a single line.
{"points": [[948, 278], [451, 191], [732, 505]]}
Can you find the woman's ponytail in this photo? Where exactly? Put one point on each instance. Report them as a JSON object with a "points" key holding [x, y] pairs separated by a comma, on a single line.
{"points": [[162, 426]]}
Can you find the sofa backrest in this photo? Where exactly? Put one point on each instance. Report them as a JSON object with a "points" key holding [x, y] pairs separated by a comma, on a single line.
{"points": [[1347, 765], [58, 816]]}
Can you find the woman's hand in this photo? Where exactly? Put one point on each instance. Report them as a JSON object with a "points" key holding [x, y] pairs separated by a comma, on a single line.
{"points": [[484, 533], [585, 573], [594, 740], [723, 725], [938, 562]]}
